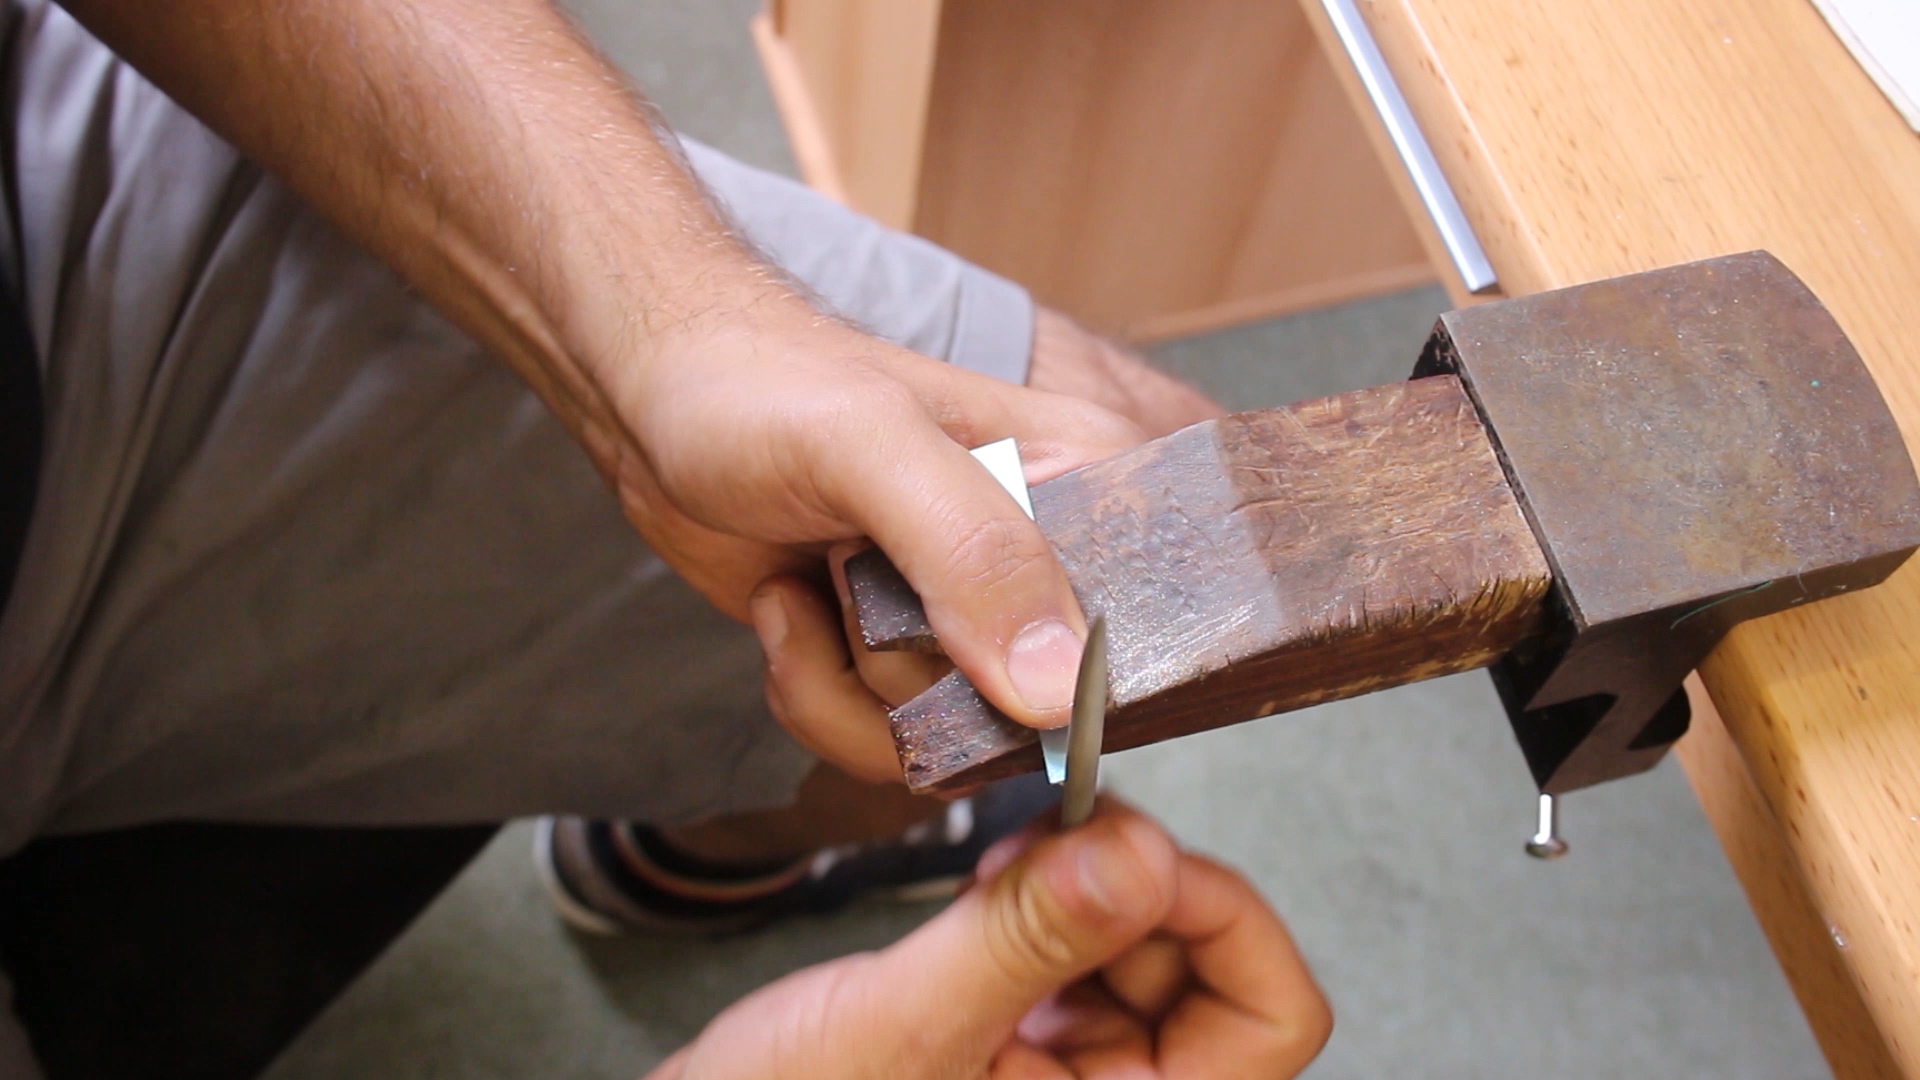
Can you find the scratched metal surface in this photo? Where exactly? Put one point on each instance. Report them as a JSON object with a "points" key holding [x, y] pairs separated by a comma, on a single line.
{"points": [[1687, 433], [1693, 447]]}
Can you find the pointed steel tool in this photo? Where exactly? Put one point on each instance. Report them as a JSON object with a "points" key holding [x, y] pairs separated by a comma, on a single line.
{"points": [[1088, 728], [1002, 459]]}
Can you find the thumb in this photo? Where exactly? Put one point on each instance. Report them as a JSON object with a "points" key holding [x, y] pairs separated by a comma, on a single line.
{"points": [[994, 590], [1064, 908]]}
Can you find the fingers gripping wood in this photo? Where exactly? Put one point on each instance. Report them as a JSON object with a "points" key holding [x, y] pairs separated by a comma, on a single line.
{"points": [[1251, 565]]}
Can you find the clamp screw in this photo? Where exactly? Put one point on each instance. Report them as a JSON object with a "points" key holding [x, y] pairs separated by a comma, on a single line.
{"points": [[1545, 843]]}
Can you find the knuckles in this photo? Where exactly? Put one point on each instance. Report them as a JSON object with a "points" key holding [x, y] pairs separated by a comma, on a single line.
{"points": [[775, 458], [989, 554], [1026, 935]]}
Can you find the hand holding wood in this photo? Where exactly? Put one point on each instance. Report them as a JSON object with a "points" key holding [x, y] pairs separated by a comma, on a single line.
{"points": [[1585, 489]]}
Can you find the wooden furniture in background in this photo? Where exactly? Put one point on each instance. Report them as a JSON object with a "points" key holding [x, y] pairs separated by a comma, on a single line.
{"points": [[1598, 139], [1325, 549], [1153, 168], [1131, 163]]}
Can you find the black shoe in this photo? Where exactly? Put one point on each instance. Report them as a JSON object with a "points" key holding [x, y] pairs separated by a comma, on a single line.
{"points": [[610, 877]]}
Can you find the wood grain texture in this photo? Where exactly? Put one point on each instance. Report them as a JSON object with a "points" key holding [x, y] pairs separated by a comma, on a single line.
{"points": [[1153, 168], [1266, 562], [806, 131], [1131, 162], [864, 69], [1596, 139], [1767, 870], [1376, 131]]}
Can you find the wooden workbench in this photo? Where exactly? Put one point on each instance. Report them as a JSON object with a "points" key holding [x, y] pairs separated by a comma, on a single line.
{"points": [[1584, 141], [1640, 133]]}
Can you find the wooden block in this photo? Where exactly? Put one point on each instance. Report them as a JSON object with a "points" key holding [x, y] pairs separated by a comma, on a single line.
{"points": [[1265, 562]]}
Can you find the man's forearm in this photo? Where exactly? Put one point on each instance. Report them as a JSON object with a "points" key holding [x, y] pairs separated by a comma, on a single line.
{"points": [[492, 158], [484, 151]]}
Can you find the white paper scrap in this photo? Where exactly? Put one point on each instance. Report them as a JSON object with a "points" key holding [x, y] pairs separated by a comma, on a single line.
{"points": [[1884, 36], [1002, 459]]}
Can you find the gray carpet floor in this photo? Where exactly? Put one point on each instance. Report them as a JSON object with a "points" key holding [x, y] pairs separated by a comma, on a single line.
{"points": [[1387, 829]]}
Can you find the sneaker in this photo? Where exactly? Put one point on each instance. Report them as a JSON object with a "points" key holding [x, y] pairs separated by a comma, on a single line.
{"points": [[611, 877]]}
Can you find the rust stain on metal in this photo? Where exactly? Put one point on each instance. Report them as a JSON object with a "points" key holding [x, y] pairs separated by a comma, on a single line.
{"points": [[1693, 447]]}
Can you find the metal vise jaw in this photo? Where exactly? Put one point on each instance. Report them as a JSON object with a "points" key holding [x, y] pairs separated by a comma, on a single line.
{"points": [[1693, 447]]}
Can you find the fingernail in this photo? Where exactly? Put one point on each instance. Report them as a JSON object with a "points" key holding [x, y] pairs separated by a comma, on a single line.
{"points": [[1043, 664], [769, 619], [1109, 875]]}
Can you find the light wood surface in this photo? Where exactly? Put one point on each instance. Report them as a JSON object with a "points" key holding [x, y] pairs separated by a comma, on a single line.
{"points": [[1397, 174], [1154, 168], [1594, 139], [1140, 164], [806, 131], [1757, 848], [865, 67]]}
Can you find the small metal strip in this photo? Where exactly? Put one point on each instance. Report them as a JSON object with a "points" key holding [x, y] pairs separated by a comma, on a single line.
{"points": [[1002, 460], [1469, 258], [1088, 729]]}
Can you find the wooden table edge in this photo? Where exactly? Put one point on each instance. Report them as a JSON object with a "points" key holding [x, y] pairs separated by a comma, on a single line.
{"points": [[1857, 987]]}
